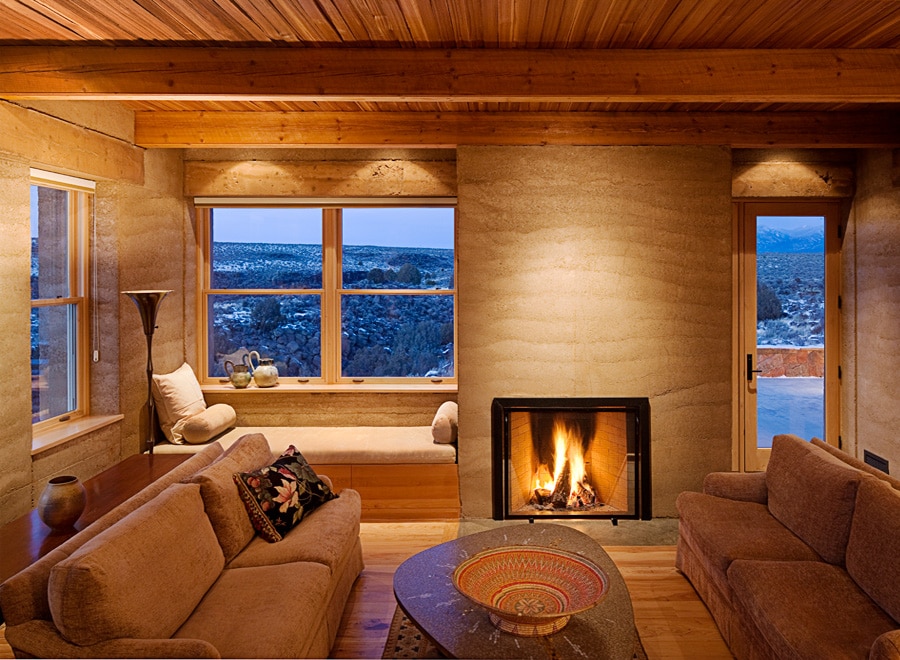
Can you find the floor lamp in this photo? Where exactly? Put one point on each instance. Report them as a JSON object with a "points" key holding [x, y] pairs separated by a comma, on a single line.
{"points": [[148, 305]]}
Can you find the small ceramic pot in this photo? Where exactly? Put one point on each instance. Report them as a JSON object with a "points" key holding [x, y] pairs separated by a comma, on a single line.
{"points": [[62, 502], [239, 374]]}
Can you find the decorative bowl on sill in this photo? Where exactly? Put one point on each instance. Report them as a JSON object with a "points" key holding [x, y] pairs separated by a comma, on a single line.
{"points": [[531, 591]]}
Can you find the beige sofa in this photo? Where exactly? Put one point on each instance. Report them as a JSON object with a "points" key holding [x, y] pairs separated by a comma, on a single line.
{"points": [[178, 571], [799, 561]]}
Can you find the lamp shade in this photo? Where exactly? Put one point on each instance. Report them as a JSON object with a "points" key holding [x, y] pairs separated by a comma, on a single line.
{"points": [[147, 302]]}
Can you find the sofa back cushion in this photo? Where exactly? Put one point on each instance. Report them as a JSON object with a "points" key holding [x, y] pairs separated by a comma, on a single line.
{"points": [[873, 551], [24, 596], [812, 493], [223, 502], [854, 462], [140, 578]]}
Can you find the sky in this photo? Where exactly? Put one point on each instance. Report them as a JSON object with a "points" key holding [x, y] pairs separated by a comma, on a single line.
{"points": [[789, 223], [391, 227]]}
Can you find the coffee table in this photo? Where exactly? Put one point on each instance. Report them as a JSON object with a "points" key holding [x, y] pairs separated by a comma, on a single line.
{"points": [[460, 628]]}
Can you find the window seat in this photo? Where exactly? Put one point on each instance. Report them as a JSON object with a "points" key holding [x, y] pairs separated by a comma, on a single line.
{"points": [[399, 471]]}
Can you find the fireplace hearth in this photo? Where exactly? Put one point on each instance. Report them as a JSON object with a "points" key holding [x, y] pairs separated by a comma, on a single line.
{"points": [[571, 458]]}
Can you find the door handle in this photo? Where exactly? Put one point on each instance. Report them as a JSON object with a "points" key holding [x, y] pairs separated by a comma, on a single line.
{"points": [[750, 369]]}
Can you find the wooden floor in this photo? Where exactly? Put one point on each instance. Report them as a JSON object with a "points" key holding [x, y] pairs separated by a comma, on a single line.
{"points": [[672, 621]]}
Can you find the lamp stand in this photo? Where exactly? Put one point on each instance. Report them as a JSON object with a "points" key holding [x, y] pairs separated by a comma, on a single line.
{"points": [[148, 305]]}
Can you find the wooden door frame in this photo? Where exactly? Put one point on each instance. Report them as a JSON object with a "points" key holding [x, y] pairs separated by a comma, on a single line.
{"points": [[744, 309]]}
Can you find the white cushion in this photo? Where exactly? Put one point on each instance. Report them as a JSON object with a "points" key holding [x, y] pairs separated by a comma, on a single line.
{"points": [[177, 396], [444, 425], [206, 425]]}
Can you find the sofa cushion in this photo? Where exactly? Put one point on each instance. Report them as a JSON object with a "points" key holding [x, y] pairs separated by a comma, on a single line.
{"points": [[722, 531], [141, 577], [325, 537], [177, 396], [278, 496], [445, 423], [264, 611], [223, 502], [854, 462], [807, 609], [206, 425], [873, 552], [812, 493]]}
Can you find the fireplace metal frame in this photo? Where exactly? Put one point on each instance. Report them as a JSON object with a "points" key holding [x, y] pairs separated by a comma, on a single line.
{"points": [[500, 409]]}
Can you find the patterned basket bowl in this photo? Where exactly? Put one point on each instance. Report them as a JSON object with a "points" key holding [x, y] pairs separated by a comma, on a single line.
{"points": [[531, 591]]}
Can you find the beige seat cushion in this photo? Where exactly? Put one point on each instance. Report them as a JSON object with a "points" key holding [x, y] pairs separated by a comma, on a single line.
{"points": [[265, 611], [324, 537], [223, 502], [139, 578], [722, 531], [341, 445], [805, 609]]}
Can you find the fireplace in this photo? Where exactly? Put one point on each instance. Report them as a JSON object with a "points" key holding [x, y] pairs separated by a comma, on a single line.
{"points": [[571, 458]]}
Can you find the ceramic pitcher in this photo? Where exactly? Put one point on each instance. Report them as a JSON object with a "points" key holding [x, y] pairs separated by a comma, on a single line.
{"points": [[239, 374], [265, 373]]}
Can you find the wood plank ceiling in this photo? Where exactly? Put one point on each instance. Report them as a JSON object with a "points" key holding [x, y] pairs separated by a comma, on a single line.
{"points": [[448, 72]]}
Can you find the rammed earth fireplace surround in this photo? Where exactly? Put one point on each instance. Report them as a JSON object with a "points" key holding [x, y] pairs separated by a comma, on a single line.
{"points": [[571, 458]]}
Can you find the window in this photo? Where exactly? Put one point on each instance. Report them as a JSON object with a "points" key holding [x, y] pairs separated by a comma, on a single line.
{"points": [[333, 295], [60, 208]]}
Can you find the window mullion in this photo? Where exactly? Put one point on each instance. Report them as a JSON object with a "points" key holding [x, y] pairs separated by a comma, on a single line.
{"points": [[331, 300]]}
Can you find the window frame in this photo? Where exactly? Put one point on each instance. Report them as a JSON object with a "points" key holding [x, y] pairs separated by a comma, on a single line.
{"points": [[331, 292], [80, 207]]}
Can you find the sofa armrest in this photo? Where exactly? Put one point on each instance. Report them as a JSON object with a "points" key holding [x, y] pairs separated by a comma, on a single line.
{"points": [[41, 639], [743, 486], [886, 647]]}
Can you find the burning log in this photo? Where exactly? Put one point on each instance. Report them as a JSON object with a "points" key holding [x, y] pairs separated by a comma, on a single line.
{"points": [[560, 496], [540, 497], [582, 496]]}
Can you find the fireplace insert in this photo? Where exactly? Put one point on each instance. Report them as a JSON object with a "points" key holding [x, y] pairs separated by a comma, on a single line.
{"points": [[571, 458]]}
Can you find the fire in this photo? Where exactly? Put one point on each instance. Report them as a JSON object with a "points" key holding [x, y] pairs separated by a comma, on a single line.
{"points": [[567, 486]]}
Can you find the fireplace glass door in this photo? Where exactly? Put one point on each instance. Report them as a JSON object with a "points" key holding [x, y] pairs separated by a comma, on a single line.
{"points": [[569, 458]]}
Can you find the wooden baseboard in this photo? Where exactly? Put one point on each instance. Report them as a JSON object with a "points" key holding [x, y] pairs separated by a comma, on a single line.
{"points": [[400, 492]]}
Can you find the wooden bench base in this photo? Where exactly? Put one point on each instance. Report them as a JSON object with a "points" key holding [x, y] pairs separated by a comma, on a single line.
{"points": [[412, 491]]}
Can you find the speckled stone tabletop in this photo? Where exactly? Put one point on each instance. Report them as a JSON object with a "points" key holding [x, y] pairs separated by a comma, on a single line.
{"points": [[460, 628]]}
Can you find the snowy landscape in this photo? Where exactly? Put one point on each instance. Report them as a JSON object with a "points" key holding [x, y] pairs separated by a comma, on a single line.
{"points": [[382, 334], [791, 313]]}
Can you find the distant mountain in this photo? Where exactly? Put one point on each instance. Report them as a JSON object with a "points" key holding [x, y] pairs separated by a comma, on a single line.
{"points": [[806, 239]]}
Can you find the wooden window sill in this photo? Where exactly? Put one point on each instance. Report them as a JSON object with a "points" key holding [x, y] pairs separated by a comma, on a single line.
{"points": [[285, 385], [64, 432]]}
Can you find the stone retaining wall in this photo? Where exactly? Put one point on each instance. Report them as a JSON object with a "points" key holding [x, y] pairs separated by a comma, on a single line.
{"points": [[791, 362]]}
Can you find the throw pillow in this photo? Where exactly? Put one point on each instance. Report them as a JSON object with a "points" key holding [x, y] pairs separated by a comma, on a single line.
{"points": [[206, 425], [278, 496], [177, 396], [444, 425]]}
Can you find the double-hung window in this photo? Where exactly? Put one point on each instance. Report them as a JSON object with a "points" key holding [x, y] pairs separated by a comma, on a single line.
{"points": [[334, 295], [60, 212]]}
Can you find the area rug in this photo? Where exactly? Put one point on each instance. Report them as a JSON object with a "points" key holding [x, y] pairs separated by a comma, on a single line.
{"points": [[405, 640]]}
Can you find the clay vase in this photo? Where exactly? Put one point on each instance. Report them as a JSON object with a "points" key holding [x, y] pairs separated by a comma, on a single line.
{"points": [[239, 374], [62, 502]]}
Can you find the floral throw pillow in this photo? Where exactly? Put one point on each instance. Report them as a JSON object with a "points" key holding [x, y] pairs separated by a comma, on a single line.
{"points": [[278, 496]]}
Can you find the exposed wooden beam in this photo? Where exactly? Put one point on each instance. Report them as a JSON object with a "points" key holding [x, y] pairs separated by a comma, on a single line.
{"points": [[417, 129], [497, 75], [46, 140]]}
